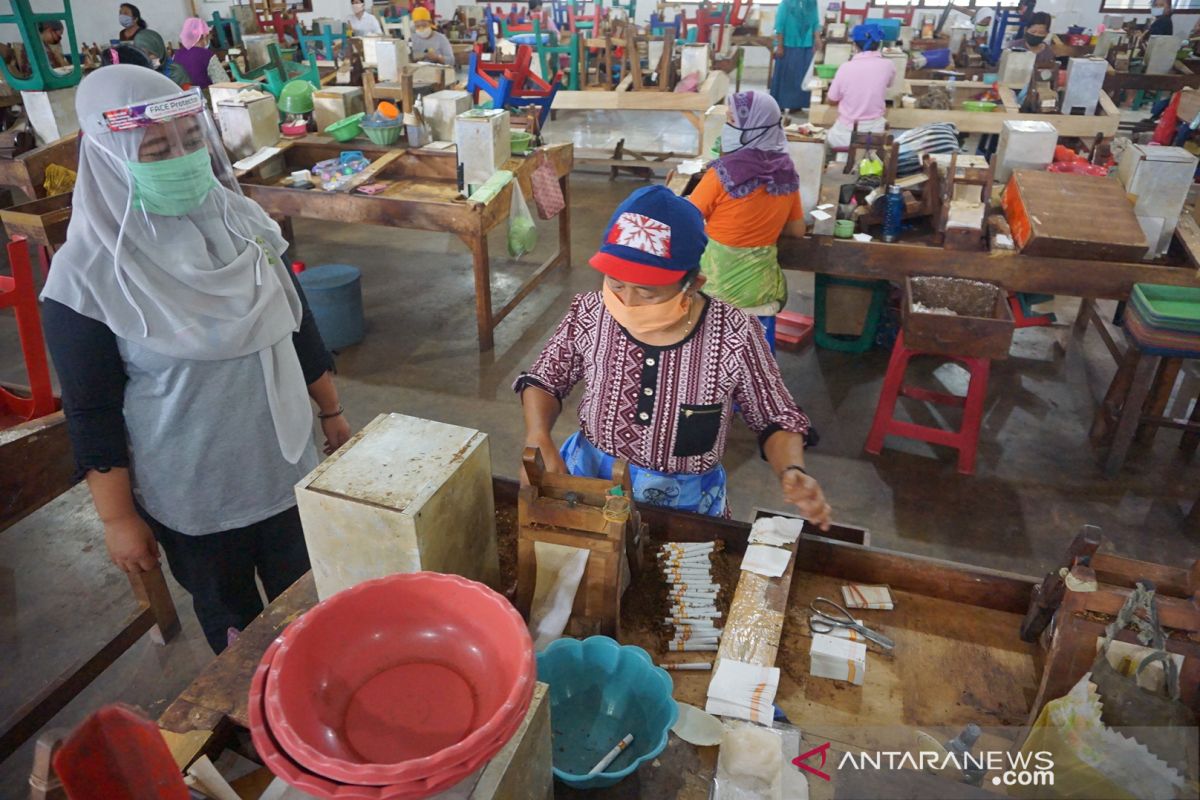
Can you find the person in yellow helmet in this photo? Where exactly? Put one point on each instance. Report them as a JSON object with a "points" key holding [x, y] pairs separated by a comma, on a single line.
{"points": [[427, 43]]}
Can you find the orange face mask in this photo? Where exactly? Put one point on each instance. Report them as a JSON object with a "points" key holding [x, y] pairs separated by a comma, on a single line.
{"points": [[648, 319]]}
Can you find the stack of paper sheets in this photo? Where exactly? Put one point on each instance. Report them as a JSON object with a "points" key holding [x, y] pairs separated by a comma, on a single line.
{"points": [[745, 691], [860, 595], [839, 659], [776, 531]]}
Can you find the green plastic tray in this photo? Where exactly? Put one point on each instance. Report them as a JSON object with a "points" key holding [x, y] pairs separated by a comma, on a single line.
{"points": [[1168, 306]]}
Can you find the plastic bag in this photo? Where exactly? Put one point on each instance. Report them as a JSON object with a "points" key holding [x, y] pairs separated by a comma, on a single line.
{"points": [[754, 763], [547, 193], [522, 232]]}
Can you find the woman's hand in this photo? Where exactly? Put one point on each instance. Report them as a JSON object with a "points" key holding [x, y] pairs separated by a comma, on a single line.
{"points": [[131, 544], [337, 432], [779, 51], [805, 493]]}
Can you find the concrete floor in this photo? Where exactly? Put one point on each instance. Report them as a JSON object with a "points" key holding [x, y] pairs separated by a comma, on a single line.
{"points": [[1037, 477]]}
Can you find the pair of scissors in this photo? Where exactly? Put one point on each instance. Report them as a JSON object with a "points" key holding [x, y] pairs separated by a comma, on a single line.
{"points": [[824, 621]]}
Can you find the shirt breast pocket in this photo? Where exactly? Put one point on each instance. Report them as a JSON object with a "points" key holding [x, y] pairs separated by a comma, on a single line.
{"points": [[697, 430]]}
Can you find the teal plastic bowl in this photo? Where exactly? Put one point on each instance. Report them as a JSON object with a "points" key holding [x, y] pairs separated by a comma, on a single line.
{"points": [[599, 692]]}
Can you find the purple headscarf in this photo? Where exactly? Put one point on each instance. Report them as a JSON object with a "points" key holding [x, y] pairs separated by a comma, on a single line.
{"points": [[755, 148]]}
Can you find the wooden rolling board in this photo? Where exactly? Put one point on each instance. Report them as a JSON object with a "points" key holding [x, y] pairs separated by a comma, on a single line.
{"points": [[988, 675]]}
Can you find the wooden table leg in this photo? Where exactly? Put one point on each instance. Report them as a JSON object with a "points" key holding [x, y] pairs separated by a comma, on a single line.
{"points": [[483, 287], [1083, 316], [1190, 440], [1110, 406], [564, 222], [1160, 395], [1131, 412]]}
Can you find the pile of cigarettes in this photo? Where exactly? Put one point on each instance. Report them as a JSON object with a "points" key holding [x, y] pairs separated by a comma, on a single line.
{"points": [[687, 567]]}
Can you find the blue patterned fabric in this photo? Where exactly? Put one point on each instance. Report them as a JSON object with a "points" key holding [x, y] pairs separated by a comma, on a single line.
{"points": [[703, 493]]}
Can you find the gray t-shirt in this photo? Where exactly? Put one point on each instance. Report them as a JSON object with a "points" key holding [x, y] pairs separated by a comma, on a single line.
{"points": [[204, 456]]}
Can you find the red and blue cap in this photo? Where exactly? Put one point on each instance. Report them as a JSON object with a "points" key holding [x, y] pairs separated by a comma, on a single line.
{"points": [[653, 239]]}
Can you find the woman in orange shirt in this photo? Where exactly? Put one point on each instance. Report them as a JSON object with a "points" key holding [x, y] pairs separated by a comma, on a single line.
{"points": [[749, 197]]}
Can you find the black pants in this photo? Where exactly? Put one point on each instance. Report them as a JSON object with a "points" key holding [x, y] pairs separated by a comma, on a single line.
{"points": [[218, 569]]}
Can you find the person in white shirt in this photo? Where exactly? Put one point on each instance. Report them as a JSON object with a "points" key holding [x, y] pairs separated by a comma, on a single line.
{"points": [[361, 23]]}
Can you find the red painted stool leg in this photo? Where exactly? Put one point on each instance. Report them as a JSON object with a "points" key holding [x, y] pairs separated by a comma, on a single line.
{"points": [[968, 434], [892, 383]]}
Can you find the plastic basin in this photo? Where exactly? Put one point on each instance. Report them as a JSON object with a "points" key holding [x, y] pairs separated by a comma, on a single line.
{"points": [[521, 141], [400, 678], [599, 692], [280, 764], [346, 129], [825, 71], [978, 105], [383, 134]]}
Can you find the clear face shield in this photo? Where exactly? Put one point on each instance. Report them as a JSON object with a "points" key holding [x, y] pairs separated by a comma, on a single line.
{"points": [[162, 158]]}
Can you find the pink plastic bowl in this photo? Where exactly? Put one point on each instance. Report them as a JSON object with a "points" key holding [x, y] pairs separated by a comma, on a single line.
{"points": [[282, 766], [399, 679]]}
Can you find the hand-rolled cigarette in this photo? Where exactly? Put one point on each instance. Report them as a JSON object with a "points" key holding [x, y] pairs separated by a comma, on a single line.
{"points": [[683, 586], [688, 545], [676, 644], [697, 627], [687, 665], [712, 598], [702, 558], [684, 634], [685, 620], [693, 647], [695, 611], [612, 754], [707, 573]]}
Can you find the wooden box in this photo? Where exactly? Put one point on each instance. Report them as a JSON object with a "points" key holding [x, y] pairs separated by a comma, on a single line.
{"points": [[220, 93], [981, 327], [441, 109], [43, 222], [335, 103], [484, 143], [248, 125], [1072, 216], [405, 494]]}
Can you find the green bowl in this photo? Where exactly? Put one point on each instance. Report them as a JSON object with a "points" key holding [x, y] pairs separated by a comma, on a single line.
{"points": [[522, 141], [825, 71], [346, 129], [978, 105], [383, 134]]}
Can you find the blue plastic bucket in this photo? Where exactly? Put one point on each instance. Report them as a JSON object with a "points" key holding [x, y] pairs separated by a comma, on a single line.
{"points": [[334, 293], [936, 59]]}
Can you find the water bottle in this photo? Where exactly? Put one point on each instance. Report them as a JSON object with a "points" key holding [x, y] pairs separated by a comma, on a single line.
{"points": [[893, 214]]}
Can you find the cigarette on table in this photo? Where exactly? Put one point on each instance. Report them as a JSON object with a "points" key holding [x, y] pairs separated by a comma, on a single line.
{"points": [[612, 754], [701, 586], [693, 647], [697, 628], [685, 620], [701, 560], [695, 636], [695, 611], [688, 545], [687, 665]]}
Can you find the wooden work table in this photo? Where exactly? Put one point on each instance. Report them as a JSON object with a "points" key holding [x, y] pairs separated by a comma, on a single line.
{"points": [[1104, 122], [955, 621], [27, 171], [1180, 77], [422, 195], [1078, 277]]}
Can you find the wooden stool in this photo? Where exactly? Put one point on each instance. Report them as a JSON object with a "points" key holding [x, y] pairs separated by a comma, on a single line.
{"points": [[568, 510], [1135, 406], [965, 439], [848, 343]]}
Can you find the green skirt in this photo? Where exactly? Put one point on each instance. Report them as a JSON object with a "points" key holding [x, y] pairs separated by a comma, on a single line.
{"points": [[746, 277]]}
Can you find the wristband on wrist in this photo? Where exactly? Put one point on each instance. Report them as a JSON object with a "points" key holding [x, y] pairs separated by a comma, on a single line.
{"points": [[794, 466], [331, 414]]}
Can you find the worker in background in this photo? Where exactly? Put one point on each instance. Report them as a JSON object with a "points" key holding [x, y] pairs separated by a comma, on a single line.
{"points": [[538, 11], [860, 88], [1162, 24], [52, 36], [135, 31], [1025, 11], [361, 23], [428, 44], [797, 35], [749, 197], [196, 58], [663, 367], [1035, 41], [186, 353]]}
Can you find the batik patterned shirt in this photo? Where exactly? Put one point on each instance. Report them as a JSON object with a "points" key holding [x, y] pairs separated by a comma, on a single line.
{"points": [[666, 408]]}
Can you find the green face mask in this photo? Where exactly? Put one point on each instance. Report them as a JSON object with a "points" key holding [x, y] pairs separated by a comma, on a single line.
{"points": [[174, 186]]}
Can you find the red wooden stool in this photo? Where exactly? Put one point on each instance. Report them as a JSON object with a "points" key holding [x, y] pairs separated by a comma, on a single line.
{"points": [[965, 439], [19, 293]]}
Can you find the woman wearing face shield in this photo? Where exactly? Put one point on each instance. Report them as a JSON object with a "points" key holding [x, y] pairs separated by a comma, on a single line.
{"points": [[185, 351], [749, 197], [663, 367]]}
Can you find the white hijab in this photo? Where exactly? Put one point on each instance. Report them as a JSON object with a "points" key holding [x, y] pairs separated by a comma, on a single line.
{"points": [[207, 286]]}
